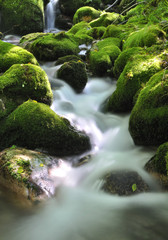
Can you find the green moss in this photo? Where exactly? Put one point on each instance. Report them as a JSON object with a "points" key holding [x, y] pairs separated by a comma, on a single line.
{"points": [[22, 16], [96, 32], [50, 47], [35, 125], [86, 14], [161, 159], [106, 19], [124, 57], [67, 58], [146, 36], [74, 73], [11, 54], [103, 55], [135, 74], [118, 31], [80, 31], [148, 121]]}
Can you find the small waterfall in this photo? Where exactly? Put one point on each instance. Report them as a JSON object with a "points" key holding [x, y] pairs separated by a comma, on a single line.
{"points": [[50, 14]]}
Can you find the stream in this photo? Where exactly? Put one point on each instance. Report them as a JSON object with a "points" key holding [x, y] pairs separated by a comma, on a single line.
{"points": [[80, 210]]}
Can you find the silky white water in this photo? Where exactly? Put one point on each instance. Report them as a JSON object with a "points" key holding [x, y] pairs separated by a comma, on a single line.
{"points": [[80, 210], [50, 14]]}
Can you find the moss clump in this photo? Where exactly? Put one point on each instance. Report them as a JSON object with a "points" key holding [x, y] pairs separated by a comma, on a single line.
{"points": [[106, 19], [74, 73], [68, 58], [80, 31], [124, 57], [11, 54], [118, 31], [148, 123], [136, 73], [96, 32], [146, 36], [21, 82], [50, 46], [86, 14], [103, 55], [35, 125], [22, 16]]}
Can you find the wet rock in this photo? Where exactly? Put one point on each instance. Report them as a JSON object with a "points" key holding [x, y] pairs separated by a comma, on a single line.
{"points": [[26, 174], [74, 73], [124, 183]]}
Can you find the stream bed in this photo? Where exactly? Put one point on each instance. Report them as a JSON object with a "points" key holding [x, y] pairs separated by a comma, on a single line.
{"points": [[80, 210]]}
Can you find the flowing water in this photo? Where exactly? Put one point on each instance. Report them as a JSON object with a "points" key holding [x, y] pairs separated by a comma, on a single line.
{"points": [[80, 210], [50, 14]]}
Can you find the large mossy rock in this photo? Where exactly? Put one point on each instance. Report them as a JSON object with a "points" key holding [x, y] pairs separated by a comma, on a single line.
{"points": [[22, 16], [157, 166], [103, 54], [19, 169], [147, 36], [107, 18], [50, 46], [80, 31], [86, 14], [136, 73], [74, 73], [21, 82], [148, 123], [35, 125], [11, 54]]}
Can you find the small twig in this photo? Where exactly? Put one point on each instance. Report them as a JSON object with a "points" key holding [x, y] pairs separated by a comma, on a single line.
{"points": [[111, 5]]}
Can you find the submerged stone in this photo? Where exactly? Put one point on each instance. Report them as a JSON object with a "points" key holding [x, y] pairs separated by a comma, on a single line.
{"points": [[35, 125], [148, 123], [11, 54], [124, 183]]}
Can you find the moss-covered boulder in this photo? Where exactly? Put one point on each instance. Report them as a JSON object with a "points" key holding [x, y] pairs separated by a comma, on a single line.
{"points": [[21, 82], [107, 18], [35, 125], [103, 54], [124, 57], [11, 54], [124, 183], [74, 73], [148, 123], [86, 14], [19, 169], [136, 73], [147, 36], [118, 31], [51, 46], [157, 166], [22, 16], [80, 32]]}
